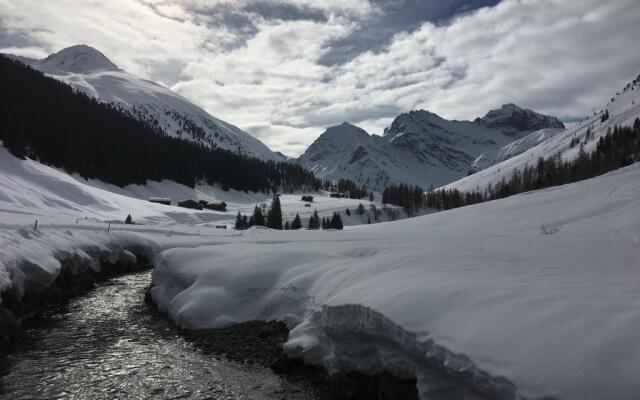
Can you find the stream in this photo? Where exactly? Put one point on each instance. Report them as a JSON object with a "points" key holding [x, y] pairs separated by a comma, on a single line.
{"points": [[110, 344]]}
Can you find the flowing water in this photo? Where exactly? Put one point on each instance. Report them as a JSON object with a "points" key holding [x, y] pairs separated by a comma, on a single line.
{"points": [[109, 344]]}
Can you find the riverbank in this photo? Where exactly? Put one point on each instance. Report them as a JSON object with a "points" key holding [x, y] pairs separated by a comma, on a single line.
{"points": [[262, 343], [14, 311], [39, 267], [109, 343]]}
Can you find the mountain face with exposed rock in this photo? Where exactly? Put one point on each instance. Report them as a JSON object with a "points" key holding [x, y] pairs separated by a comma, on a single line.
{"points": [[419, 147], [88, 70], [511, 119]]}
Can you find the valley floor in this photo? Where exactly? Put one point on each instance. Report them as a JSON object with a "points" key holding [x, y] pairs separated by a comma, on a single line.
{"points": [[534, 295]]}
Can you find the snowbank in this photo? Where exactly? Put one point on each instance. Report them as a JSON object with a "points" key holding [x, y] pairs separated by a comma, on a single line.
{"points": [[31, 260], [534, 295]]}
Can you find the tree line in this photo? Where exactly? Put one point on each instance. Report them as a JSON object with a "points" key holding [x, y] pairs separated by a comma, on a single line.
{"points": [[48, 120], [408, 196], [273, 219], [346, 186], [617, 148]]}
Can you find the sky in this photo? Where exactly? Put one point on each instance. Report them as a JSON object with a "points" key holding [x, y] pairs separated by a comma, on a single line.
{"points": [[286, 70]]}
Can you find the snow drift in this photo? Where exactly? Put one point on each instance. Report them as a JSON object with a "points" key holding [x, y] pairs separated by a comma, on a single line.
{"points": [[534, 295]]}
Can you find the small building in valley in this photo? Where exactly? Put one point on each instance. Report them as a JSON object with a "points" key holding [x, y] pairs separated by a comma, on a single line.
{"points": [[189, 203], [222, 206], [160, 200]]}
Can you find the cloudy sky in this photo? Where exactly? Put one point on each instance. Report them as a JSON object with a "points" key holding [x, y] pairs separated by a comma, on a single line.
{"points": [[285, 70]]}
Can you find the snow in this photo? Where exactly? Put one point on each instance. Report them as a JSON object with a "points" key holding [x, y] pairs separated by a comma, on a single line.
{"points": [[514, 148], [78, 59], [32, 259], [30, 190], [419, 147], [540, 289], [89, 71], [623, 109]]}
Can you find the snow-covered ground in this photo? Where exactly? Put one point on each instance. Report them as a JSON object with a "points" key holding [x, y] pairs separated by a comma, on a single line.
{"points": [[540, 289], [32, 191], [74, 215]]}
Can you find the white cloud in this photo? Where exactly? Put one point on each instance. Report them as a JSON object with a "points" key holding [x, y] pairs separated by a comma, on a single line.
{"points": [[559, 57]]}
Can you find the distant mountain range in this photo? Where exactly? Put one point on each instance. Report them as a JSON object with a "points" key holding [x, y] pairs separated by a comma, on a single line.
{"points": [[422, 148], [88, 70]]}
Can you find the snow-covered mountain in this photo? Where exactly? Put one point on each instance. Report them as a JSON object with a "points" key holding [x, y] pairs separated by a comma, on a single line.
{"points": [[513, 120], [419, 147], [623, 109], [485, 160], [88, 70]]}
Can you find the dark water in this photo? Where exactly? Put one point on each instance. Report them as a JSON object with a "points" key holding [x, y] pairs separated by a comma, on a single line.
{"points": [[109, 344]]}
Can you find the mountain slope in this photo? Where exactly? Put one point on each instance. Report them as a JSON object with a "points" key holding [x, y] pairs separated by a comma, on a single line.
{"points": [[45, 119], [88, 70], [623, 109], [514, 148], [419, 147]]}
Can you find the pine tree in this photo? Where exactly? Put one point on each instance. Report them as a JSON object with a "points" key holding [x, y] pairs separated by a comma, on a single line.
{"points": [[314, 221], [336, 221], [239, 224], [274, 216], [297, 223], [257, 218], [286, 226]]}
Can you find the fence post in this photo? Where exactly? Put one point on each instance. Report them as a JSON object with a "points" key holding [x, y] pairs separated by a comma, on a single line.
{"points": [[35, 227]]}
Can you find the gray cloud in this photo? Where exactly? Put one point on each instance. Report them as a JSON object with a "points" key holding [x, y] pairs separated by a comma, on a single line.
{"points": [[241, 19], [168, 72], [285, 70], [393, 17]]}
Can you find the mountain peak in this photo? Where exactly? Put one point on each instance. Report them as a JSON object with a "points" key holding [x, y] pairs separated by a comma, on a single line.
{"points": [[409, 120], [510, 107], [344, 129], [511, 117], [78, 59]]}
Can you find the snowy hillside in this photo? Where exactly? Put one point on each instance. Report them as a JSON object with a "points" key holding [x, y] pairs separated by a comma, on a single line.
{"points": [[514, 148], [88, 70], [623, 109], [527, 297], [419, 147], [31, 190]]}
